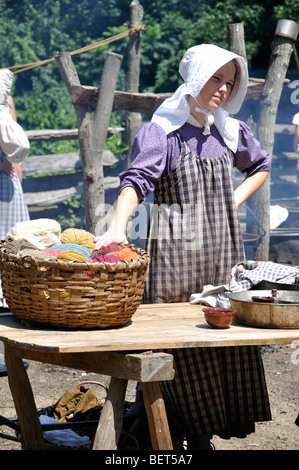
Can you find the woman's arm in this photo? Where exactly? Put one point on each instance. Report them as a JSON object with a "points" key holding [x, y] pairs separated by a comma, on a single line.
{"points": [[126, 204], [249, 186]]}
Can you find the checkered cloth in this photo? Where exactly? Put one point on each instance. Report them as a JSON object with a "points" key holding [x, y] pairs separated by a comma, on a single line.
{"points": [[250, 273], [244, 276], [223, 388]]}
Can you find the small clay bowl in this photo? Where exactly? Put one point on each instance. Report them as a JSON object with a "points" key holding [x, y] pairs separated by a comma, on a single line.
{"points": [[218, 317]]}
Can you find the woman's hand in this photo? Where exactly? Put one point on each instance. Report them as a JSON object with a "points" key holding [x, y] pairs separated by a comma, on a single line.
{"points": [[126, 204], [7, 168], [109, 237]]}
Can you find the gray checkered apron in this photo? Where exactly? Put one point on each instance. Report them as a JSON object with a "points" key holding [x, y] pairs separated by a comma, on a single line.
{"points": [[215, 390], [194, 237], [13, 207]]}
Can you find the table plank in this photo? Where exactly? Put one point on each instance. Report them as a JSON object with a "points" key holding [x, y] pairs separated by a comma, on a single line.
{"points": [[152, 327]]}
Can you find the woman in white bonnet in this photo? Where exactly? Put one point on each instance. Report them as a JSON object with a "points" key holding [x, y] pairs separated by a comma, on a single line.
{"points": [[186, 155], [13, 146]]}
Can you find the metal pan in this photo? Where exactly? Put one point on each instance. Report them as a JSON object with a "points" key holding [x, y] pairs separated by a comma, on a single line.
{"points": [[279, 314]]}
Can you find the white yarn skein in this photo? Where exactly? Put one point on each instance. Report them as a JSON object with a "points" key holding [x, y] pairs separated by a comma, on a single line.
{"points": [[41, 233]]}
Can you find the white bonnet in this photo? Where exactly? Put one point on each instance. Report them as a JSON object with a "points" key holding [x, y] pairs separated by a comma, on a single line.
{"points": [[201, 62], [196, 67], [6, 79]]}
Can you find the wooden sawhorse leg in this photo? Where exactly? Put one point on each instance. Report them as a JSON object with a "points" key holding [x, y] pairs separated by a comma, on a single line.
{"points": [[147, 368], [156, 415], [110, 424], [111, 420], [24, 402]]}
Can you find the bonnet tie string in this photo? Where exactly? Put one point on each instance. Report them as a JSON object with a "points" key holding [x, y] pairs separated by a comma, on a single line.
{"points": [[209, 117]]}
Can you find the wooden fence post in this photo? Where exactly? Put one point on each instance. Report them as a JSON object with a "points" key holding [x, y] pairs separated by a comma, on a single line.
{"points": [[236, 40], [282, 48], [133, 120], [236, 43], [92, 133]]}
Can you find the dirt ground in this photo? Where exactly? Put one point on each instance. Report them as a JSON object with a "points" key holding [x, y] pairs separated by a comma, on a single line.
{"points": [[281, 364]]}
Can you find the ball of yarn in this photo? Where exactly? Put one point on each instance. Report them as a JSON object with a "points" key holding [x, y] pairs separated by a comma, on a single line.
{"points": [[71, 255], [71, 246], [36, 254], [103, 258], [55, 253], [106, 249], [41, 233], [14, 246], [126, 254], [78, 236]]}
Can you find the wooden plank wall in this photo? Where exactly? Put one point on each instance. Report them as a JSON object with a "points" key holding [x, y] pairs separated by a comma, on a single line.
{"points": [[43, 187]]}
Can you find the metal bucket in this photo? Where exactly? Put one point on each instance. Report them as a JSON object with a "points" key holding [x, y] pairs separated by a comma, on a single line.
{"points": [[287, 28]]}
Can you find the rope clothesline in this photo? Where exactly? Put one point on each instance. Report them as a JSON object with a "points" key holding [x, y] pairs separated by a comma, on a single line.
{"points": [[31, 65]]}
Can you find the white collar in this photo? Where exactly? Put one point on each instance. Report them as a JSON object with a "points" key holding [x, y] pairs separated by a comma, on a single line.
{"points": [[229, 130]]}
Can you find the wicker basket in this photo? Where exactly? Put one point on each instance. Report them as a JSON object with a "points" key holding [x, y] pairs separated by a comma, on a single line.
{"points": [[61, 294]]}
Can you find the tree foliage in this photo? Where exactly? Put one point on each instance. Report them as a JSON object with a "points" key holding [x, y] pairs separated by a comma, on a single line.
{"points": [[34, 30]]}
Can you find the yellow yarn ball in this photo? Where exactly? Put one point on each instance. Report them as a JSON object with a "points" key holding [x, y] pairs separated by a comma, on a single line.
{"points": [[71, 255], [79, 237]]}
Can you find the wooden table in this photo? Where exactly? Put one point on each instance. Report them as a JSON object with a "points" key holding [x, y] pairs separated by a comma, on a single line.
{"points": [[124, 353]]}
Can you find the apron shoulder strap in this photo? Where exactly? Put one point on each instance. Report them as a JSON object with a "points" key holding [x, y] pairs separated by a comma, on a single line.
{"points": [[183, 145]]}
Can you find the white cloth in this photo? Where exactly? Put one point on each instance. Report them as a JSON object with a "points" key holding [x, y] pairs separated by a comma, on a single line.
{"points": [[196, 68], [278, 215], [296, 119], [13, 140], [296, 123], [41, 233], [6, 78], [212, 296]]}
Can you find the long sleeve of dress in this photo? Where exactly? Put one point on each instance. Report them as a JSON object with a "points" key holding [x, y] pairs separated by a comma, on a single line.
{"points": [[148, 160], [250, 157]]}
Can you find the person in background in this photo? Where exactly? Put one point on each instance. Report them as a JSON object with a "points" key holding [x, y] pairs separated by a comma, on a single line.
{"points": [[13, 146], [185, 155], [296, 147]]}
